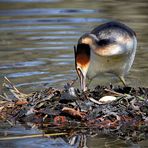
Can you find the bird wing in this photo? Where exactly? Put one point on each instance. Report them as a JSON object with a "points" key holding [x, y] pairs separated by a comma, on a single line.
{"points": [[110, 47], [114, 39]]}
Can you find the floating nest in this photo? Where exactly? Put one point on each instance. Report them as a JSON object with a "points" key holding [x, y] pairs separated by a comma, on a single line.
{"points": [[118, 111]]}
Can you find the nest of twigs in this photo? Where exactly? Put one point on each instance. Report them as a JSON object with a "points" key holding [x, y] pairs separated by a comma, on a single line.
{"points": [[121, 111]]}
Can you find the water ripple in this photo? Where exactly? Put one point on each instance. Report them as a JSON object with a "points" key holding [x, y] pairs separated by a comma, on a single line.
{"points": [[22, 64], [52, 37], [57, 32], [56, 27], [47, 48], [29, 1], [25, 74], [45, 11], [50, 20]]}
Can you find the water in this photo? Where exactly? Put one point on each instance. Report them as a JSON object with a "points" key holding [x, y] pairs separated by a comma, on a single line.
{"points": [[37, 39]]}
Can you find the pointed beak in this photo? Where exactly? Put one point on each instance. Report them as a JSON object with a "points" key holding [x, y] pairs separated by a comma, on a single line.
{"points": [[82, 77]]}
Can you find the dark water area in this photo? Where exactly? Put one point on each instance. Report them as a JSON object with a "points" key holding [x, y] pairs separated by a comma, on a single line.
{"points": [[36, 50]]}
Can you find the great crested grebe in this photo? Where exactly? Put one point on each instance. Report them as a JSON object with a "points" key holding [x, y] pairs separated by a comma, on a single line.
{"points": [[109, 48]]}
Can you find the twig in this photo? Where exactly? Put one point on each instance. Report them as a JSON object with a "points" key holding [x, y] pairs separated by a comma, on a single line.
{"points": [[4, 98], [31, 136], [73, 81], [7, 120], [113, 92], [95, 101], [11, 84]]}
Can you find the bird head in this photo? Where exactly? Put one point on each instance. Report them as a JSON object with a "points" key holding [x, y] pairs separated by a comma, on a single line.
{"points": [[82, 60]]}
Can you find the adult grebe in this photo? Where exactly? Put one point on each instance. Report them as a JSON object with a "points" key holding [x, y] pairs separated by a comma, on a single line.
{"points": [[109, 48]]}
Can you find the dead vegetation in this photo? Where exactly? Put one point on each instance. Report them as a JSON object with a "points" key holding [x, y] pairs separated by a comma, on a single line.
{"points": [[119, 111]]}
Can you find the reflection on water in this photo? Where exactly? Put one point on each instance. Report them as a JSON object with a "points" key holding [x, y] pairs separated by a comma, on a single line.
{"points": [[37, 38], [70, 140]]}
